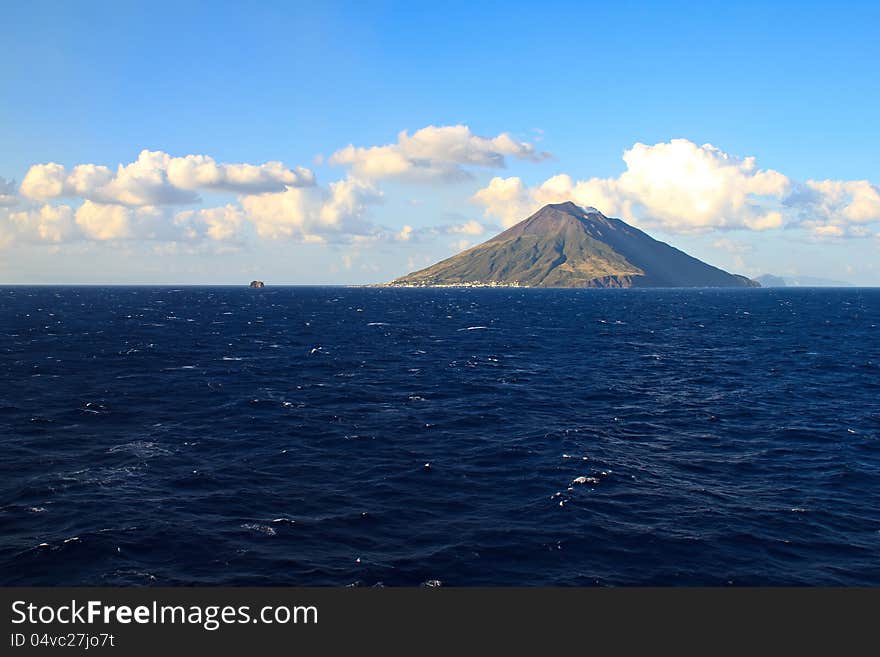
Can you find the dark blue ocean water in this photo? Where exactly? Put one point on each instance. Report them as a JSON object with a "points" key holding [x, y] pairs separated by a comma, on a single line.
{"points": [[337, 436]]}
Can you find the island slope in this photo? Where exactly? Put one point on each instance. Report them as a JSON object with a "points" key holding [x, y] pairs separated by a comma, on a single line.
{"points": [[564, 245]]}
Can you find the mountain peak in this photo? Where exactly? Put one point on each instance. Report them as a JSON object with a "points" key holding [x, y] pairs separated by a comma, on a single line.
{"points": [[570, 207], [565, 245], [568, 219]]}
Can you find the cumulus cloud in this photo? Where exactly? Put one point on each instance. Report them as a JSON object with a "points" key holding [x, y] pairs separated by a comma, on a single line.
{"points": [[468, 228], [103, 222], [676, 186], [202, 172], [434, 153], [136, 202], [113, 222], [680, 187], [223, 224], [508, 199], [337, 213], [45, 224], [157, 178], [837, 208]]}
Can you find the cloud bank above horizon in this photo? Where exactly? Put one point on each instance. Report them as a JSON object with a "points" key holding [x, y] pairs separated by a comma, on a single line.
{"points": [[675, 187], [680, 187]]}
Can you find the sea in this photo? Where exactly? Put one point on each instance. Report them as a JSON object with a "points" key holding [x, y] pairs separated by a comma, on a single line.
{"points": [[341, 436]]}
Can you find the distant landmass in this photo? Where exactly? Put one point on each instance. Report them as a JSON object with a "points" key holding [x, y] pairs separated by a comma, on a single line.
{"points": [[564, 245], [769, 280], [257, 284]]}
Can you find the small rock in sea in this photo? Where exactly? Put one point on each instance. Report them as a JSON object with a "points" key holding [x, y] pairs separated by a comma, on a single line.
{"points": [[432, 583]]}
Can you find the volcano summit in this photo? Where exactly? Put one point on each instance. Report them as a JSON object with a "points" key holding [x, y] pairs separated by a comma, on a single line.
{"points": [[564, 245]]}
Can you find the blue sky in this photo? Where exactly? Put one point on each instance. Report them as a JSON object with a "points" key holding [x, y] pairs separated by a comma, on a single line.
{"points": [[572, 86]]}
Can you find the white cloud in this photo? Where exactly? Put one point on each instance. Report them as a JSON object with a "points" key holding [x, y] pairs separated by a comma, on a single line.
{"points": [[88, 180], [314, 214], [677, 186], [45, 224], [434, 153], [508, 199], [102, 222], [468, 228], [156, 178], [222, 224], [857, 201], [828, 230], [837, 208], [132, 202], [44, 181], [681, 187], [202, 172], [113, 222], [344, 207]]}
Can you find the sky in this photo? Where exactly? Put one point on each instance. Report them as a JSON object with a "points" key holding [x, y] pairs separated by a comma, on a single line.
{"points": [[348, 143]]}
